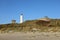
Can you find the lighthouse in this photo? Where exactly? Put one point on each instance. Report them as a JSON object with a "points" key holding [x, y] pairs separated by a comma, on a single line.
{"points": [[21, 18]]}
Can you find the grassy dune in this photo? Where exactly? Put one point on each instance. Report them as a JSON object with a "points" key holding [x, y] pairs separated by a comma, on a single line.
{"points": [[32, 26]]}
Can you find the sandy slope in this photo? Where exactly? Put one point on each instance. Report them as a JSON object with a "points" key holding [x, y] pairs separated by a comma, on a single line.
{"points": [[30, 36]]}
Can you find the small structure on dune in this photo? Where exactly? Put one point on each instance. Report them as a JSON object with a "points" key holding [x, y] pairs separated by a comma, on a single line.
{"points": [[43, 21]]}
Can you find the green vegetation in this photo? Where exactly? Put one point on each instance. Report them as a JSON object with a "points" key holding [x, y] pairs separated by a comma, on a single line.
{"points": [[32, 25]]}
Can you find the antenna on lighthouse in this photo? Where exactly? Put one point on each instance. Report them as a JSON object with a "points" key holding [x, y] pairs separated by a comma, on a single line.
{"points": [[21, 18]]}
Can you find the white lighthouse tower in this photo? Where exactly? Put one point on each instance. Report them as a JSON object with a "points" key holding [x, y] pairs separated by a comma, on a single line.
{"points": [[21, 18]]}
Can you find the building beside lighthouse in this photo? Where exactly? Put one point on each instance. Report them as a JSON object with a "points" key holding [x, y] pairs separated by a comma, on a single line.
{"points": [[13, 21]]}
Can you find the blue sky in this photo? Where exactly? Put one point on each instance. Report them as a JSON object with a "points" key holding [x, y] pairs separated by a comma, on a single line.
{"points": [[32, 9]]}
